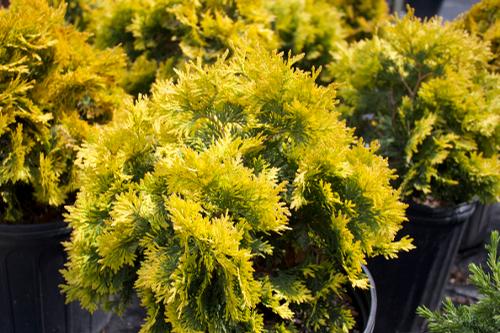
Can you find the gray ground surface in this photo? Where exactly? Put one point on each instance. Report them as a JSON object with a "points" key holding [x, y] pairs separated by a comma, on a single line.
{"points": [[459, 288]]}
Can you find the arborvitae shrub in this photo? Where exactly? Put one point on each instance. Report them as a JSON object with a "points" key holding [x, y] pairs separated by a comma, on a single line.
{"points": [[312, 27], [53, 88], [362, 17], [483, 20], [423, 90], [319, 28], [482, 317], [232, 200], [78, 12], [160, 35]]}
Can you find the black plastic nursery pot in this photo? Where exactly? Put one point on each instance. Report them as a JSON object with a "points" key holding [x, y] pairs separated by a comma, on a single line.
{"points": [[478, 226], [419, 276], [31, 302], [425, 8]]}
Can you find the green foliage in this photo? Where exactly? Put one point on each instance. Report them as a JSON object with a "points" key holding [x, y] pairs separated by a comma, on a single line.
{"points": [[161, 35], [233, 200], [312, 27], [53, 88], [482, 317], [320, 28], [423, 90], [483, 20], [362, 17], [79, 12]]}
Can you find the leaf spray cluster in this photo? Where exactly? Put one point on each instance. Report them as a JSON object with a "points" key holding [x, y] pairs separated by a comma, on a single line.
{"points": [[483, 20], [54, 87], [423, 89], [161, 35]]}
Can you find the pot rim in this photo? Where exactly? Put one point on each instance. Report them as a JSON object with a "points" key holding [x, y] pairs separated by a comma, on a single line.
{"points": [[33, 231], [370, 324], [418, 213]]}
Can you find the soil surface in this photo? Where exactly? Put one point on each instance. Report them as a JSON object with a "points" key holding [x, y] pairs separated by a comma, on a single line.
{"points": [[459, 288]]}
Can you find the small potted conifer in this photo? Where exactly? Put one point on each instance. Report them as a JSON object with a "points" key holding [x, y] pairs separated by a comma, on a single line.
{"points": [[320, 28], [234, 200], [54, 89], [482, 20], [361, 17], [423, 90], [312, 27], [161, 35]]}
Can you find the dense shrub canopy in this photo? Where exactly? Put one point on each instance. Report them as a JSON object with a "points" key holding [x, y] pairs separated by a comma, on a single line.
{"points": [[312, 27], [423, 90], [161, 35], [320, 28], [361, 17], [233, 200], [483, 20], [79, 12], [53, 88]]}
